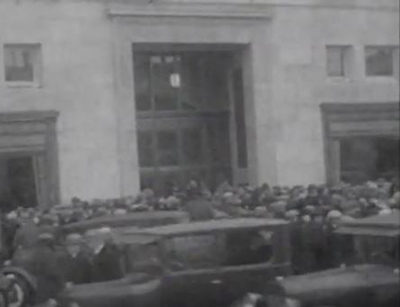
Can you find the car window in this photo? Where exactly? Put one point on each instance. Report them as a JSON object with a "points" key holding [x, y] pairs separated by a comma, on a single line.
{"points": [[377, 249], [249, 247], [194, 252], [143, 257]]}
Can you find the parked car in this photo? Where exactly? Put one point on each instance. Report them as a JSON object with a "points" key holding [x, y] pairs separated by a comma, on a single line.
{"points": [[197, 264], [373, 282]]}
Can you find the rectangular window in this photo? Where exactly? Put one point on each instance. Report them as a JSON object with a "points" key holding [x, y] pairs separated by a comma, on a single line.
{"points": [[338, 61], [381, 60], [145, 146], [167, 148], [22, 63]]}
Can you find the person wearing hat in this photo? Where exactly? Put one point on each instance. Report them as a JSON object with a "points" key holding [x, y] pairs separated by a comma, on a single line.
{"points": [[106, 263], [75, 261], [198, 207]]}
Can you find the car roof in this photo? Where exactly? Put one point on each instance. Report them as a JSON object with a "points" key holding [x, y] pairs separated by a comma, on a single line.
{"points": [[378, 225], [212, 225], [141, 218]]}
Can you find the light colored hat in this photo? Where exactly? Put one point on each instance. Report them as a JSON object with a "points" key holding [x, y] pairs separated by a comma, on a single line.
{"points": [[334, 214], [12, 215]]}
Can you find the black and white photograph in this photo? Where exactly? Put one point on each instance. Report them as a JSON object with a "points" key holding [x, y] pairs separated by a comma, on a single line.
{"points": [[199, 153]]}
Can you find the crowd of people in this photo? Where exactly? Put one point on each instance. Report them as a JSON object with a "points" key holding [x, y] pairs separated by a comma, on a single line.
{"points": [[313, 212]]}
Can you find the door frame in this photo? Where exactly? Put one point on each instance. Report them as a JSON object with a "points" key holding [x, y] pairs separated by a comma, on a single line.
{"points": [[355, 120], [145, 119], [33, 133], [239, 175]]}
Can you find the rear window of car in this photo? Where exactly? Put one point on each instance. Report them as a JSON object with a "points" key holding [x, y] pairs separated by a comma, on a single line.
{"points": [[194, 251], [233, 248], [249, 247]]}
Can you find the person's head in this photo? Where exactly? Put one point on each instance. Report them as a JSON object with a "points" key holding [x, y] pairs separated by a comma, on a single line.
{"points": [[306, 218], [193, 189], [333, 216], [73, 243], [312, 190]]}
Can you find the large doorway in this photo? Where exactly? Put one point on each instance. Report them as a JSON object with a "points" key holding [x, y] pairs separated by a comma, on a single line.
{"points": [[185, 102], [28, 160]]}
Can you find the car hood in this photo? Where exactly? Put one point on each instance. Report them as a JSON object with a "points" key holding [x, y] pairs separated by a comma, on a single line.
{"points": [[111, 293], [336, 284]]}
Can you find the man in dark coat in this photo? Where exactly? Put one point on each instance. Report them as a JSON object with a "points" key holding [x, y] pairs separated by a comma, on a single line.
{"points": [[198, 207], [75, 261], [107, 263]]}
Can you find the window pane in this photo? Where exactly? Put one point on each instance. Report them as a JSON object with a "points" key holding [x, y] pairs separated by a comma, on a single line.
{"points": [[192, 146], [191, 91], [194, 252], [167, 148], [145, 147], [147, 180], [335, 61], [249, 247], [20, 62], [379, 61], [165, 91], [142, 82]]}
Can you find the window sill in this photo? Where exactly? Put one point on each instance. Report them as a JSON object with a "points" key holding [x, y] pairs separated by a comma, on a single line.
{"points": [[338, 79], [22, 84], [383, 78]]}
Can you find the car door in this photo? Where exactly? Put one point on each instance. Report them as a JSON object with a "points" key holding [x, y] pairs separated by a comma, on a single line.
{"points": [[245, 271], [192, 276]]}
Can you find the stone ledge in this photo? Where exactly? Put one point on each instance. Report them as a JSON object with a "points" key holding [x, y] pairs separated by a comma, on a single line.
{"points": [[225, 11]]}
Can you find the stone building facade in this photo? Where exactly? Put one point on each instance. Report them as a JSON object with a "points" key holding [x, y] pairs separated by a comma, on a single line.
{"points": [[100, 97]]}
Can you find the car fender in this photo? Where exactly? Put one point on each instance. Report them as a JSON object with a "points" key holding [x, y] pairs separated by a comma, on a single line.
{"points": [[28, 278]]}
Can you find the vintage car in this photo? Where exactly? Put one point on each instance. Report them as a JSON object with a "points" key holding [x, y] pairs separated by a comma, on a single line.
{"points": [[24, 285], [373, 282], [196, 264]]}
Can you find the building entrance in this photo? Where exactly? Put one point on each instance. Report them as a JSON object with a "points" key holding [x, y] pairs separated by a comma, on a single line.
{"points": [[185, 114], [28, 160], [18, 187]]}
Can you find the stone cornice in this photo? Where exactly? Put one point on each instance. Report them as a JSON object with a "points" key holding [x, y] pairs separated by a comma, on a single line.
{"points": [[226, 11]]}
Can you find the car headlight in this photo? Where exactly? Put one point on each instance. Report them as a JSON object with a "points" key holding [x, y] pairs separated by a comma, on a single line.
{"points": [[73, 304]]}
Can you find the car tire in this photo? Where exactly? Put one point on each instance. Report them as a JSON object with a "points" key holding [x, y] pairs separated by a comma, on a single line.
{"points": [[21, 292]]}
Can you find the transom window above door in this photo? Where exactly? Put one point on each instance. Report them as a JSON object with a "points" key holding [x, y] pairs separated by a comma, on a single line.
{"points": [[180, 81]]}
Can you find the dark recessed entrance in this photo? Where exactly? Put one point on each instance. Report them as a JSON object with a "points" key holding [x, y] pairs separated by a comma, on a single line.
{"points": [[28, 160], [189, 104], [18, 187], [361, 141]]}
